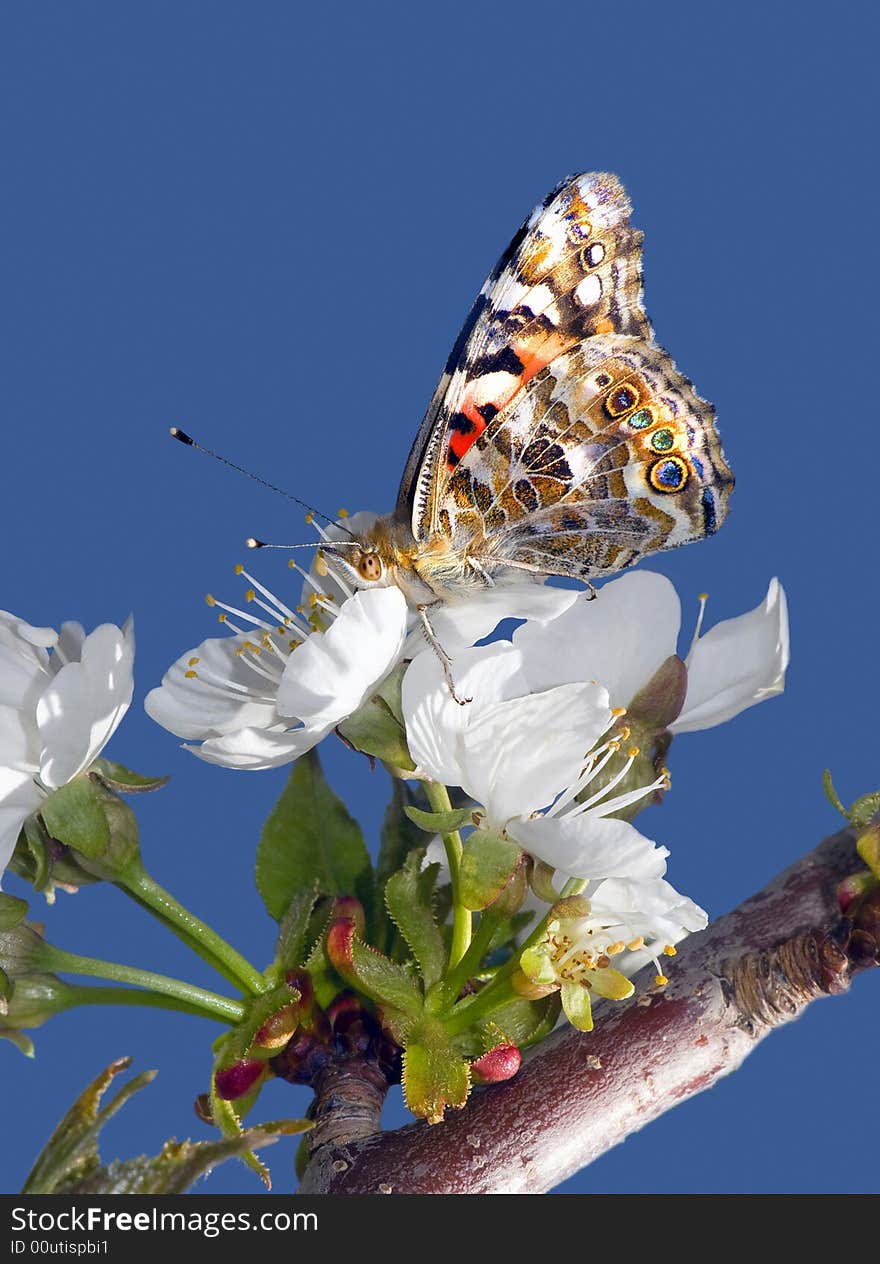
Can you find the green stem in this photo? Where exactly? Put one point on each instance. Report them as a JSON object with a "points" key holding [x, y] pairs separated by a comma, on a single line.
{"points": [[208, 1003], [469, 964], [152, 1000], [194, 932], [438, 797]]}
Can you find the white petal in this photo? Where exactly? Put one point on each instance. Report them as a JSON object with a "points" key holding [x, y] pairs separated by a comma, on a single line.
{"points": [[460, 624], [737, 663], [255, 749], [19, 797], [19, 740], [653, 909], [618, 639], [435, 722], [13, 628], [227, 693], [519, 755], [331, 673], [81, 707], [592, 847]]}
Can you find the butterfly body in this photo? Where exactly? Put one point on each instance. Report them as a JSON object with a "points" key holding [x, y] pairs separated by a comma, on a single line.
{"points": [[561, 439]]}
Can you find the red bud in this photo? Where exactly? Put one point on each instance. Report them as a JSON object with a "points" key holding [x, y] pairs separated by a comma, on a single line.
{"points": [[500, 1063], [236, 1080]]}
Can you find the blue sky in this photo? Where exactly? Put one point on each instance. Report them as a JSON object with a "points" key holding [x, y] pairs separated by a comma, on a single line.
{"points": [[264, 224]]}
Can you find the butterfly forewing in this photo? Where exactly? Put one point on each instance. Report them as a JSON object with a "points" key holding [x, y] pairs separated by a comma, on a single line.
{"points": [[572, 271]]}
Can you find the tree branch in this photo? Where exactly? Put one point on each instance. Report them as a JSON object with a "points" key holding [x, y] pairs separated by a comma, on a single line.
{"points": [[749, 973]]}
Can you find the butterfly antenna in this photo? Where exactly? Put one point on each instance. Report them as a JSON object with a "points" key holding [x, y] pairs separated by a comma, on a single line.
{"points": [[252, 543], [183, 437]]}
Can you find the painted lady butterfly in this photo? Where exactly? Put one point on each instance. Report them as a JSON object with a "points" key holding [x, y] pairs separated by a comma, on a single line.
{"points": [[561, 440]]}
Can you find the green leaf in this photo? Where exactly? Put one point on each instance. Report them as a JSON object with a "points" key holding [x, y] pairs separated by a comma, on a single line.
{"points": [[488, 864], [71, 1153], [290, 947], [398, 838], [410, 908], [865, 809], [12, 911], [831, 794], [310, 840], [181, 1163], [370, 971], [435, 1079], [440, 822], [118, 777]]}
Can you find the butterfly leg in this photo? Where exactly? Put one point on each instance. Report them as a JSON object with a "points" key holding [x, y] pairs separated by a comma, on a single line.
{"points": [[592, 590], [481, 571], [445, 660]]}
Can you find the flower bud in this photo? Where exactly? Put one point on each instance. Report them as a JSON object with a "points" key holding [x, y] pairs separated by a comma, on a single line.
{"points": [[277, 1030], [236, 1080], [500, 1063]]}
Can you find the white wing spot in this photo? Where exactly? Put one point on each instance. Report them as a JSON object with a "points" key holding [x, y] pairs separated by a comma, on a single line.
{"points": [[589, 291]]}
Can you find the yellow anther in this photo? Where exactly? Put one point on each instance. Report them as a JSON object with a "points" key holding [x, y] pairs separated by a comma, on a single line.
{"points": [[617, 712], [633, 752], [238, 568], [614, 745], [191, 675], [625, 732], [310, 518], [321, 564], [209, 599], [250, 595], [343, 513], [192, 662], [291, 645], [704, 596], [604, 962], [660, 980], [291, 563], [636, 944], [313, 600], [670, 951], [614, 949], [221, 617]]}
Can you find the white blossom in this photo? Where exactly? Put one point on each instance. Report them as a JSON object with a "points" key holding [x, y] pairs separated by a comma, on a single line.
{"points": [[62, 696]]}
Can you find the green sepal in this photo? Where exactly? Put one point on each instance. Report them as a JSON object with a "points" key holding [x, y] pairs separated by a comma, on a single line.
{"points": [[370, 971], [12, 911], [861, 812], [310, 839], [435, 1077], [576, 1005], [659, 702], [488, 864], [94, 822], [44, 864], [377, 728], [409, 904], [126, 780], [440, 822], [238, 1043]]}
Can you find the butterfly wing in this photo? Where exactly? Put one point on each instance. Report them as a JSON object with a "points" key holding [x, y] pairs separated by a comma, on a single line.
{"points": [[608, 454], [573, 271]]}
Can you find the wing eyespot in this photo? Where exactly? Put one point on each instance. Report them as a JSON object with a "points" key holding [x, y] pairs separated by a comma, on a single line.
{"points": [[670, 474]]}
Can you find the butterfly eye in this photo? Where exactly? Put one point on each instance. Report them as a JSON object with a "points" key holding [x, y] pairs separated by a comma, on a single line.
{"points": [[369, 567]]}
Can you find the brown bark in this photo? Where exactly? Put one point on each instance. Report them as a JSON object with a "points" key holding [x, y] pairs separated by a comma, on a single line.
{"points": [[578, 1095]]}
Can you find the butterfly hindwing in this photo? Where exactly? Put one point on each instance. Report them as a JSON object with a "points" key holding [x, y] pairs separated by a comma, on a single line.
{"points": [[572, 272], [607, 455]]}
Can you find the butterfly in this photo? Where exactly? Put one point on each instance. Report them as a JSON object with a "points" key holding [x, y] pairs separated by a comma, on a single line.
{"points": [[561, 439]]}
